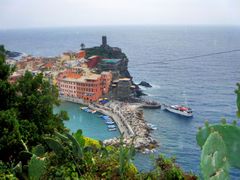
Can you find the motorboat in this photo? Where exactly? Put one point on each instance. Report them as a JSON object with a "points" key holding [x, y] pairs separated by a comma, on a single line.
{"points": [[94, 111], [109, 122], [106, 117], [152, 126], [111, 126], [179, 109], [112, 129], [83, 108]]}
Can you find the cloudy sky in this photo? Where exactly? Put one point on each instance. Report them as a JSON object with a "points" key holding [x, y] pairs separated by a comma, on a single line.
{"points": [[54, 13]]}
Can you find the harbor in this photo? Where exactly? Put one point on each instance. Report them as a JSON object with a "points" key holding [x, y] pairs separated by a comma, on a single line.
{"points": [[128, 118]]}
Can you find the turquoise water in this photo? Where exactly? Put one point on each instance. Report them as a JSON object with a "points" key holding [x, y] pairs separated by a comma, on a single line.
{"points": [[92, 125]]}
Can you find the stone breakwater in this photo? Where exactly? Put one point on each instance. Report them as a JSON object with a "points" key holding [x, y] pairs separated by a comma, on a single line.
{"points": [[131, 123]]}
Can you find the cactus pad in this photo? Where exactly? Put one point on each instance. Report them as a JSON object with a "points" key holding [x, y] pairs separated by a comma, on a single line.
{"points": [[230, 134], [36, 167], [55, 146], [214, 164]]}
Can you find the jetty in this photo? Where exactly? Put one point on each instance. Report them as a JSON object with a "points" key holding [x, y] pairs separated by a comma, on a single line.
{"points": [[130, 121]]}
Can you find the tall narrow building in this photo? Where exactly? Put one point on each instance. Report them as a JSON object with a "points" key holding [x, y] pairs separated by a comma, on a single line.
{"points": [[104, 41]]}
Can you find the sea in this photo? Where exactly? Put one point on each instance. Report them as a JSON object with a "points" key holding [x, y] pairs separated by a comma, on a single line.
{"points": [[197, 66]]}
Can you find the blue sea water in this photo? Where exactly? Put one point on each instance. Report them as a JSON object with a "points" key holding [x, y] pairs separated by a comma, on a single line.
{"points": [[206, 84]]}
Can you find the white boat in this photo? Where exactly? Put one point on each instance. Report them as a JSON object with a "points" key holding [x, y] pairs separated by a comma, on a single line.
{"points": [[94, 111], [83, 108], [109, 122], [112, 129], [181, 110], [152, 126], [111, 126]]}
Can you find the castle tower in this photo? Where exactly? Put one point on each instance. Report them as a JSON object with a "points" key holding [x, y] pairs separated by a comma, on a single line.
{"points": [[104, 41]]}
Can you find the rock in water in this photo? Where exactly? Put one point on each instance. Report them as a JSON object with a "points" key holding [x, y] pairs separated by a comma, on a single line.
{"points": [[145, 84]]}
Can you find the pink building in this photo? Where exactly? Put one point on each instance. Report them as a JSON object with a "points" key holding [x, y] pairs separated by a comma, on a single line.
{"points": [[89, 87]]}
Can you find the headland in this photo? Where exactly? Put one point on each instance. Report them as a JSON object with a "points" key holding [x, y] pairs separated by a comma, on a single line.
{"points": [[97, 77]]}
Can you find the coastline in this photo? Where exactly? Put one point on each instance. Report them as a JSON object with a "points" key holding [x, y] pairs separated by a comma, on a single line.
{"points": [[129, 120]]}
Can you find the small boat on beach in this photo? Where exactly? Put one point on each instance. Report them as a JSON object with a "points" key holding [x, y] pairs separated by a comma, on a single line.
{"points": [[178, 109], [112, 129]]}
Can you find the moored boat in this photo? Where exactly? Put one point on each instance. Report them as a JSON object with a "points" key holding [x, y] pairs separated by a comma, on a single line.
{"points": [[111, 126], [152, 126], [109, 122], [94, 111], [112, 129], [178, 109], [83, 108]]}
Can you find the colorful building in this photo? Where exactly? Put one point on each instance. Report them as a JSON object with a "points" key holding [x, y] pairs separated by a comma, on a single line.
{"points": [[93, 61], [81, 54], [87, 86]]}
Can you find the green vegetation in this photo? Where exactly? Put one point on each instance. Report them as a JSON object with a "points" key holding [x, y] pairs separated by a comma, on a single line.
{"points": [[230, 134], [104, 52], [237, 91], [214, 163], [34, 144]]}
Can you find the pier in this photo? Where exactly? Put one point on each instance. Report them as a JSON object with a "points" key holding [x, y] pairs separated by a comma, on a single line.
{"points": [[129, 119]]}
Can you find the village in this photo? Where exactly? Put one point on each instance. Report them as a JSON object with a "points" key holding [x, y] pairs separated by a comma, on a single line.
{"points": [[90, 76]]}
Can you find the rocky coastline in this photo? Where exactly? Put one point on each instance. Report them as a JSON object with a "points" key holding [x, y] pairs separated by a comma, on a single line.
{"points": [[130, 121]]}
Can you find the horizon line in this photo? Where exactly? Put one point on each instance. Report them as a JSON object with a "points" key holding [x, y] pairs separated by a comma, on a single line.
{"points": [[121, 25]]}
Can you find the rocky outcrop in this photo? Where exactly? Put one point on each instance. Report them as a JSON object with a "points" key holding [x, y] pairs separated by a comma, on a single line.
{"points": [[12, 54], [132, 116], [145, 84]]}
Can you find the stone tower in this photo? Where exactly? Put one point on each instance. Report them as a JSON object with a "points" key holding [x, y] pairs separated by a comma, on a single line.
{"points": [[104, 41]]}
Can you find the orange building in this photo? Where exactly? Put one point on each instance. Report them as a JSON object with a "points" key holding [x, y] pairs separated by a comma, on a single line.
{"points": [[81, 54], [106, 78], [89, 87]]}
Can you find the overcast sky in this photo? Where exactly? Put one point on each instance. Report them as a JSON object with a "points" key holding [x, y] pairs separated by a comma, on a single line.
{"points": [[54, 13]]}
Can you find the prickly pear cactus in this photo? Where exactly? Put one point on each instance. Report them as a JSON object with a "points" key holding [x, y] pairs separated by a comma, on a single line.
{"points": [[77, 149], [214, 163], [38, 150], [25, 156], [55, 146], [230, 134], [36, 167], [238, 99], [61, 136], [79, 137]]}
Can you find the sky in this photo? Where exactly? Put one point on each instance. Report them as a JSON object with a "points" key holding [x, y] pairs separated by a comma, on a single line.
{"points": [[63, 13]]}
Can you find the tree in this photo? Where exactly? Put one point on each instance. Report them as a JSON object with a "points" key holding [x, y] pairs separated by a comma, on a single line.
{"points": [[35, 106], [7, 91], [26, 111], [10, 137]]}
